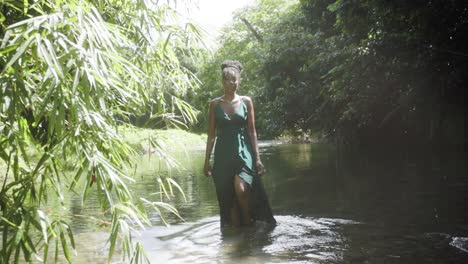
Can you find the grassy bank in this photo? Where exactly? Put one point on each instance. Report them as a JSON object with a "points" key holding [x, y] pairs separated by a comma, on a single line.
{"points": [[172, 140], [144, 140]]}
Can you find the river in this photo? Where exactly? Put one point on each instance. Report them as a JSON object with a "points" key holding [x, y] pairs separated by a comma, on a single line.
{"points": [[360, 209]]}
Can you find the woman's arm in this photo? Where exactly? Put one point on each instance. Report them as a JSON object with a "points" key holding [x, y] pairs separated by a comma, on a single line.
{"points": [[253, 135], [211, 139]]}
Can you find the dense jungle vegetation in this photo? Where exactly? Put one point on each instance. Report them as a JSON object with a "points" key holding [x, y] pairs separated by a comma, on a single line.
{"points": [[365, 72]]}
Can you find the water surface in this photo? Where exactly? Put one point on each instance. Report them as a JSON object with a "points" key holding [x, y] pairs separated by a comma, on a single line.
{"points": [[386, 208]]}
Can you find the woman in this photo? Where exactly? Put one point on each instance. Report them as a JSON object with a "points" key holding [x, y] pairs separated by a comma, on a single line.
{"points": [[237, 165]]}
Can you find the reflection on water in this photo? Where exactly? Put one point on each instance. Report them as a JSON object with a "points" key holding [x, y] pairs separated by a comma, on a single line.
{"points": [[359, 209]]}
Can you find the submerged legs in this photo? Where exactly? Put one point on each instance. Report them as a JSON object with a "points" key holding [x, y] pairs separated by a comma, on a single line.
{"points": [[240, 213], [235, 215]]}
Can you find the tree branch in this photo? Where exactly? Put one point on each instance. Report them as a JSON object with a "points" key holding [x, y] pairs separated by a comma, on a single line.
{"points": [[251, 28]]}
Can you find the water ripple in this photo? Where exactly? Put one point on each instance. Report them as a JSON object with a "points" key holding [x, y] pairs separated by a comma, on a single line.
{"points": [[294, 240], [460, 242], [318, 239]]}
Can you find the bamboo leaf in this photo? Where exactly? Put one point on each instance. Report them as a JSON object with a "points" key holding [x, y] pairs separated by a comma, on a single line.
{"points": [[113, 235], [53, 57], [66, 250], [161, 184], [174, 183], [18, 53], [8, 49], [9, 222], [71, 237], [46, 252], [43, 224], [56, 251]]}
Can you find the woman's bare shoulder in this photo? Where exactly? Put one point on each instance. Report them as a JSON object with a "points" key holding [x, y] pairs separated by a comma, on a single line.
{"points": [[215, 101], [246, 99]]}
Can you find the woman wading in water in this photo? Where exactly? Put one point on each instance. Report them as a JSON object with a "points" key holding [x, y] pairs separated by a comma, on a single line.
{"points": [[237, 165]]}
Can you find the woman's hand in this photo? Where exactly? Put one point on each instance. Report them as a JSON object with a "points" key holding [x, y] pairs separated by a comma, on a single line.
{"points": [[260, 167], [207, 170]]}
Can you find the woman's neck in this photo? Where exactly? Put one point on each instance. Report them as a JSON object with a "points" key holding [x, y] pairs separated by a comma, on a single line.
{"points": [[229, 97]]}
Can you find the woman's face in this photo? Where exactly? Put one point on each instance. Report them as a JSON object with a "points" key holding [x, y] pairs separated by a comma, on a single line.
{"points": [[230, 82]]}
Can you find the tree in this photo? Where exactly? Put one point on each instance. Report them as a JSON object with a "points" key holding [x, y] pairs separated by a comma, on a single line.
{"points": [[391, 69], [69, 71]]}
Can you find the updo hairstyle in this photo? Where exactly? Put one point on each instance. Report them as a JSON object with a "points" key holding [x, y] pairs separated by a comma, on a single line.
{"points": [[231, 67]]}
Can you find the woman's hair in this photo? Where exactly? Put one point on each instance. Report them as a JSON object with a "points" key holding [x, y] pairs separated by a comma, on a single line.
{"points": [[230, 66]]}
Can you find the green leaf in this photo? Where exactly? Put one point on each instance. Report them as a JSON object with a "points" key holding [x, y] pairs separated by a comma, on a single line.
{"points": [[18, 53], [43, 223], [113, 235], [65, 248], [8, 49], [174, 183], [25, 6]]}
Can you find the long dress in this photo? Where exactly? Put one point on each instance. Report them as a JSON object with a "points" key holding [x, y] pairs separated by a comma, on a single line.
{"points": [[234, 156]]}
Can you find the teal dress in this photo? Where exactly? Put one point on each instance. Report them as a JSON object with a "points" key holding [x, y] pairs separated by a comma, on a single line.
{"points": [[234, 156]]}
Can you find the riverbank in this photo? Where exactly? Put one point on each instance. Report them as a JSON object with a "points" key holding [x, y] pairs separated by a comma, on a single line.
{"points": [[145, 140], [298, 137]]}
